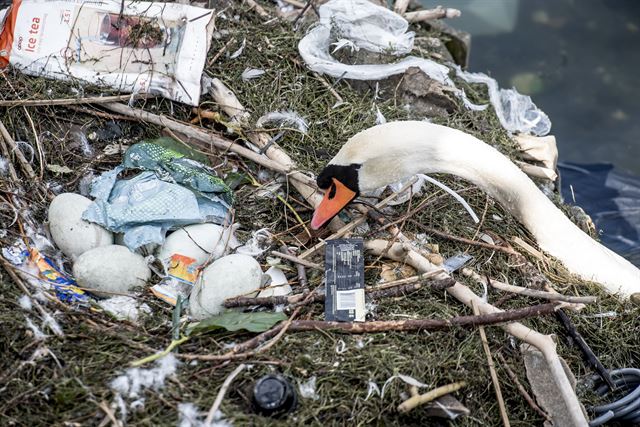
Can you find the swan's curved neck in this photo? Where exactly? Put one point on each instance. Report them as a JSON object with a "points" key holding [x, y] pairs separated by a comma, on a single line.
{"points": [[398, 150]]}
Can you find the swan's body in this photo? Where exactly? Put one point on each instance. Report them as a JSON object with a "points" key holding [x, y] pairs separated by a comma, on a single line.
{"points": [[387, 153]]}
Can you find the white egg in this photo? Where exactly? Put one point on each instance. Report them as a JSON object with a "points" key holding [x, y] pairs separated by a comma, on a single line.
{"points": [[72, 234], [200, 242], [111, 269], [230, 276]]}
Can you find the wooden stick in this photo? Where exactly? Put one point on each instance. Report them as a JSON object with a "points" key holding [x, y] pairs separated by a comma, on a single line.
{"points": [[434, 394], [519, 290], [67, 101], [297, 260], [527, 397], [295, 299], [423, 324], [436, 285], [109, 413], [295, 3], [430, 14], [221, 393], [209, 138], [400, 6], [331, 89], [492, 371], [447, 236], [26, 167], [404, 281], [462, 293], [377, 326], [302, 273], [6, 154], [259, 9]]}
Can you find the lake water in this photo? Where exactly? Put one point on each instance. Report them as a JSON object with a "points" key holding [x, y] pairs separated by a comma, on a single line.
{"points": [[578, 59]]}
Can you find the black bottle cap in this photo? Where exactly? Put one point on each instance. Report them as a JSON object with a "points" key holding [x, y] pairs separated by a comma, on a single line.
{"points": [[274, 395]]}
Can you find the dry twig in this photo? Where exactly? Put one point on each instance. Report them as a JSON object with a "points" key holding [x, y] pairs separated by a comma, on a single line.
{"points": [[430, 14], [492, 370], [221, 393], [519, 290], [297, 260], [420, 399]]}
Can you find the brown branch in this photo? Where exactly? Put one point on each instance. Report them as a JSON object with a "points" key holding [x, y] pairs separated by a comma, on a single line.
{"points": [[585, 349], [447, 236], [492, 371], [519, 290], [26, 167], [373, 327], [295, 299], [302, 273], [430, 14], [67, 101], [404, 281], [297, 260]]}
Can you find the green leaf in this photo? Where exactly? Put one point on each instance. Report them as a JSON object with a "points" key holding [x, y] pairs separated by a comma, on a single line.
{"points": [[59, 169], [235, 321]]}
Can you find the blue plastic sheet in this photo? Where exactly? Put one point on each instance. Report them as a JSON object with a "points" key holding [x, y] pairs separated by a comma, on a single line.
{"points": [[172, 191], [612, 199], [145, 207]]}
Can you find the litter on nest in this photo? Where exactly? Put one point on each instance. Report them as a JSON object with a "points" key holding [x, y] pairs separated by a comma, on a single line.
{"points": [[372, 28], [517, 112], [284, 118], [173, 191], [44, 271], [90, 40]]}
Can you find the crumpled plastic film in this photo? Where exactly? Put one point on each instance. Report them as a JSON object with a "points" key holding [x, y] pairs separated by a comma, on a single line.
{"points": [[147, 205], [369, 27], [517, 112], [373, 28], [171, 166]]}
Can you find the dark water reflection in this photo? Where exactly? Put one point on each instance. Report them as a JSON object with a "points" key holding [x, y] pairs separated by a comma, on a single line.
{"points": [[580, 61]]}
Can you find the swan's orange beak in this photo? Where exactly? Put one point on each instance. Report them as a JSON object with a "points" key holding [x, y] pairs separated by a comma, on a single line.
{"points": [[335, 199]]}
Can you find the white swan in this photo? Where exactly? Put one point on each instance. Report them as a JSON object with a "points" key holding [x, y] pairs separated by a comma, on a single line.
{"points": [[387, 153]]}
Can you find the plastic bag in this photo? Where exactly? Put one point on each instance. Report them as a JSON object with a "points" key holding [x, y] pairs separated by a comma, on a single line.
{"points": [[516, 112], [373, 28], [173, 191]]}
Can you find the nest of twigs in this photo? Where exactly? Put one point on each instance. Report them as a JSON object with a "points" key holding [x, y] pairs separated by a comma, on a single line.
{"points": [[65, 380]]}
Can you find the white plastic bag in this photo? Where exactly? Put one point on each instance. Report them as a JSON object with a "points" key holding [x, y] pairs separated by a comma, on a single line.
{"points": [[517, 112], [375, 29]]}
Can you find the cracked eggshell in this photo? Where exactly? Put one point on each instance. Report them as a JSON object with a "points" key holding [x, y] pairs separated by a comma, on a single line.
{"points": [[279, 284], [200, 242], [72, 234], [227, 277], [110, 269]]}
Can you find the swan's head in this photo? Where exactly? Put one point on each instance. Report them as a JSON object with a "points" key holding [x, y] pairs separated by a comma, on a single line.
{"points": [[371, 159], [341, 185]]}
